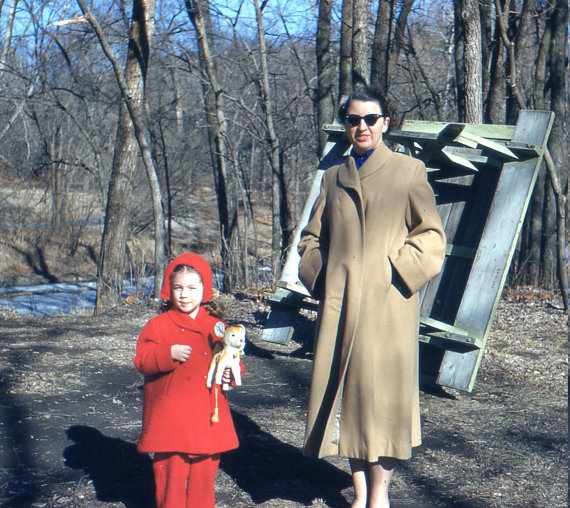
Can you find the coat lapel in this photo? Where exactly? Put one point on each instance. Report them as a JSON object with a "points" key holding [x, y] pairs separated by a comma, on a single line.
{"points": [[376, 161], [348, 175], [349, 179]]}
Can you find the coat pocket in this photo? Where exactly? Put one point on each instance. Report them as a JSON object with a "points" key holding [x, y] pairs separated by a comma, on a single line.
{"points": [[167, 383]]}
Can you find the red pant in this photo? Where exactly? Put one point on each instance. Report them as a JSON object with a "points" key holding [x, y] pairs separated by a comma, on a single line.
{"points": [[185, 481]]}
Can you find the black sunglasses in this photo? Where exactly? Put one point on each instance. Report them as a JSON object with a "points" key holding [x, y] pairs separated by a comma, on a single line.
{"points": [[370, 120]]}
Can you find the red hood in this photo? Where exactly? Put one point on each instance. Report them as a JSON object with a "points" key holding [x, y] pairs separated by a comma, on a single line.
{"points": [[196, 262]]}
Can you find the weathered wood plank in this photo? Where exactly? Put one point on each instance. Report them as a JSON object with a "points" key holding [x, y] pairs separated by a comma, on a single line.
{"points": [[457, 368], [506, 216], [499, 148], [533, 128], [469, 217], [476, 156], [280, 325], [451, 197], [488, 131], [460, 160], [495, 249], [441, 326]]}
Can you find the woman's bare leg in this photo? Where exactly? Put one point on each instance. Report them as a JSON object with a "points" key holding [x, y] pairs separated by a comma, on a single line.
{"points": [[380, 474], [360, 479], [372, 482]]}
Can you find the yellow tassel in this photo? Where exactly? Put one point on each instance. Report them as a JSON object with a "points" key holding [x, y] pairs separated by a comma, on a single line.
{"points": [[215, 416]]}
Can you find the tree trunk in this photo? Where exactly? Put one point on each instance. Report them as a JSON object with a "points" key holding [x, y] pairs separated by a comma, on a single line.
{"points": [[177, 108], [280, 208], [524, 39], [360, 46], [532, 252], [132, 139], [388, 43], [7, 36], [487, 17], [381, 45], [232, 264], [493, 65], [548, 258], [345, 64], [473, 68], [160, 146], [459, 53], [324, 97], [399, 41], [559, 136]]}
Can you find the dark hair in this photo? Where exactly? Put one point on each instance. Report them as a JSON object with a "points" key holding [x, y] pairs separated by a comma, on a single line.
{"points": [[184, 269], [214, 307], [367, 93]]}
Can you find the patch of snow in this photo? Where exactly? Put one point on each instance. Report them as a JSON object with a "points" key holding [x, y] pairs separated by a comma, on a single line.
{"points": [[62, 298]]}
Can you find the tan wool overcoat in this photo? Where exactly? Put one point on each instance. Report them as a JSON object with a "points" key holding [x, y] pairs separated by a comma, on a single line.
{"points": [[373, 240]]}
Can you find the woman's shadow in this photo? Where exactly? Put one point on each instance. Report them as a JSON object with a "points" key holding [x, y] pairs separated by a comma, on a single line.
{"points": [[118, 471], [267, 468]]}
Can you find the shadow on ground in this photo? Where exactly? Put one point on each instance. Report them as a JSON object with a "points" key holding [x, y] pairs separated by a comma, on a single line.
{"points": [[118, 471], [267, 468]]}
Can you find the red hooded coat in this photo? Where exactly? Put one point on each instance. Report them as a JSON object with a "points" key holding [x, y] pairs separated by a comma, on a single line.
{"points": [[177, 406]]}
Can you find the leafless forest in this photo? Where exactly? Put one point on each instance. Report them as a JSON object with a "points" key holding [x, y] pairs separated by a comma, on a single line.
{"points": [[131, 130]]}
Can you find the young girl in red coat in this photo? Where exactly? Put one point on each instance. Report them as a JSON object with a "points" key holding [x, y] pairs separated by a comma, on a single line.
{"points": [[174, 351]]}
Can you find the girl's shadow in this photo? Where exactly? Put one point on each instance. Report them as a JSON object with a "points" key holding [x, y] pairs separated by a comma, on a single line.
{"points": [[267, 468], [118, 471]]}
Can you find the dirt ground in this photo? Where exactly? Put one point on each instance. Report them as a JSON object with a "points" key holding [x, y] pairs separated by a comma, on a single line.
{"points": [[70, 402]]}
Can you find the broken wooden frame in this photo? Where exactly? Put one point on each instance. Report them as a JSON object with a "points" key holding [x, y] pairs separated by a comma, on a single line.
{"points": [[483, 177]]}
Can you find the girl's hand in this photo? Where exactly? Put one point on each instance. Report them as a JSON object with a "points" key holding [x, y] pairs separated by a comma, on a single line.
{"points": [[180, 352]]}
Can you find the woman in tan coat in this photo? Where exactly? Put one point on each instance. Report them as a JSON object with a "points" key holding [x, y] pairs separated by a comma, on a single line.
{"points": [[373, 240]]}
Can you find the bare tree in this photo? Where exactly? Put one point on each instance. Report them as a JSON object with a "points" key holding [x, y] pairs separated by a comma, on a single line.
{"points": [[472, 61], [360, 44], [380, 65], [493, 64], [459, 53], [132, 139], [389, 39], [346, 34], [199, 14], [324, 95], [282, 227], [559, 145], [7, 35]]}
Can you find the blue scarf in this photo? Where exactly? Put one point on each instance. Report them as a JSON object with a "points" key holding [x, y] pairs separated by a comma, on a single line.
{"points": [[359, 160]]}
